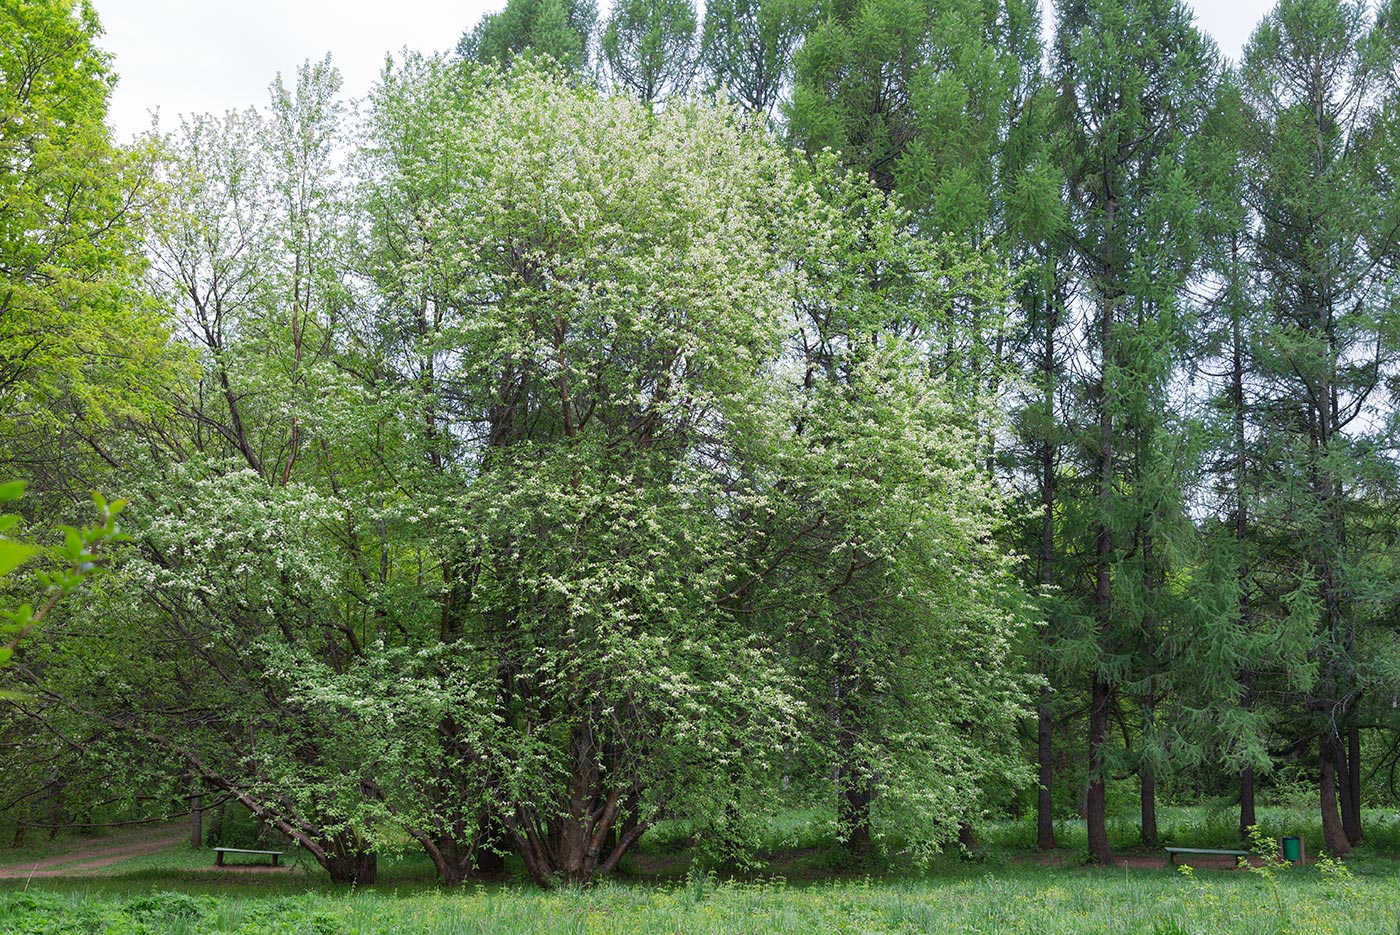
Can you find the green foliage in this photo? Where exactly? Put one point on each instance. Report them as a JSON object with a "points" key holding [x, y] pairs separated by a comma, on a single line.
{"points": [[79, 340], [1313, 104], [536, 465], [538, 512], [650, 47], [561, 30], [78, 556], [747, 48]]}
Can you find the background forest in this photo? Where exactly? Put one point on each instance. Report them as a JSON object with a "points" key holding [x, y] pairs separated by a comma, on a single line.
{"points": [[639, 415]]}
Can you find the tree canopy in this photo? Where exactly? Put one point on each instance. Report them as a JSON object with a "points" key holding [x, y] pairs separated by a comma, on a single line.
{"points": [[703, 412]]}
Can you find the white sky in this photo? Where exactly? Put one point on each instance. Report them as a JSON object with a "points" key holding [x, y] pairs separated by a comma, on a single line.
{"points": [[195, 56]]}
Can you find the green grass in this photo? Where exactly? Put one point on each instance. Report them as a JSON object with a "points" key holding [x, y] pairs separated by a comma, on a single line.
{"points": [[1028, 900], [176, 892], [1198, 827]]}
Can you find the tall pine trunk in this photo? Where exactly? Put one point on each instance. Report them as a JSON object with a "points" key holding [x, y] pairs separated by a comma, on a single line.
{"points": [[1247, 816], [1248, 819], [1346, 795], [1095, 801]]}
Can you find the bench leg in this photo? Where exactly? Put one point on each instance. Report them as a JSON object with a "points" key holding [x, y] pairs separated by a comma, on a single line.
{"points": [[274, 860], [218, 858]]}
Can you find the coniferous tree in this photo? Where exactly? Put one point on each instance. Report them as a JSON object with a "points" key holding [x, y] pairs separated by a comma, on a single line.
{"points": [[650, 47], [747, 47], [1314, 79], [1134, 81], [1247, 649]]}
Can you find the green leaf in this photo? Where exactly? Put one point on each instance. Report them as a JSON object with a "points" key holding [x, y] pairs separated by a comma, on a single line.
{"points": [[12, 555], [72, 543], [12, 490]]}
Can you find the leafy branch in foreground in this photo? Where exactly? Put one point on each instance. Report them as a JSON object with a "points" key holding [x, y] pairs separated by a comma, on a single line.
{"points": [[80, 559]]}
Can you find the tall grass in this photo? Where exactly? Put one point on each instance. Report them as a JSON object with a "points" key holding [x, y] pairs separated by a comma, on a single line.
{"points": [[1198, 826], [1023, 900], [1007, 891]]}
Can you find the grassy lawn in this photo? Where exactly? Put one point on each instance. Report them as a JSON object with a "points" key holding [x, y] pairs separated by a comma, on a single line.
{"points": [[1006, 891], [1014, 900]]}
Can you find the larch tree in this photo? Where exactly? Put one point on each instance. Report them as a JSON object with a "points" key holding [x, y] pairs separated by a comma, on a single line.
{"points": [[1135, 82], [1316, 80], [1041, 344], [747, 49], [650, 47], [1249, 647]]}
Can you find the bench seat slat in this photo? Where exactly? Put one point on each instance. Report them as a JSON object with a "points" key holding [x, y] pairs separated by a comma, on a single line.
{"points": [[241, 850], [1206, 850], [219, 853], [1172, 852]]}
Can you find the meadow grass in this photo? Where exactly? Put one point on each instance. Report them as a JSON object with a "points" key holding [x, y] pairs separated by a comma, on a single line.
{"points": [[1044, 901], [1006, 890]]}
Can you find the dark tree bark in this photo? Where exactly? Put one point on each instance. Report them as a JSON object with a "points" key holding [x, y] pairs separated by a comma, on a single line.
{"points": [[1045, 723], [492, 843], [1353, 783], [1095, 806], [853, 806], [1149, 807], [1346, 798], [1247, 816], [1147, 778], [359, 868], [196, 813], [577, 844], [1248, 819], [1333, 836], [1045, 800], [967, 837]]}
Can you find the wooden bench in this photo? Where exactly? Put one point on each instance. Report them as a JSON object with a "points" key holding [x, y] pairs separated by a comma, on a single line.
{"points": [[219, 853], [1214, 851]]}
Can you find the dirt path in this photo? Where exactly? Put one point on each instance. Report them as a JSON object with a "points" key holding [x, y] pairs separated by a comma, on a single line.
{"points": [[94, 854]]}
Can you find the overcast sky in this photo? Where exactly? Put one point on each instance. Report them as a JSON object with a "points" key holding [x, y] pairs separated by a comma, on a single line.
{"points": [[180, 56]]}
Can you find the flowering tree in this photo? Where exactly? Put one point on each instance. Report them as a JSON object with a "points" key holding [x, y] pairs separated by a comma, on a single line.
{"points": [[507, 514]]}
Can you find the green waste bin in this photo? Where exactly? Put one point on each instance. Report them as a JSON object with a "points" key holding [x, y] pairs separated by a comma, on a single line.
{"points": [[1292, 849]]}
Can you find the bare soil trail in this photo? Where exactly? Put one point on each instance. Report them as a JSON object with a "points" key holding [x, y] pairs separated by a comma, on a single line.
{"points": [[85, 854]]}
